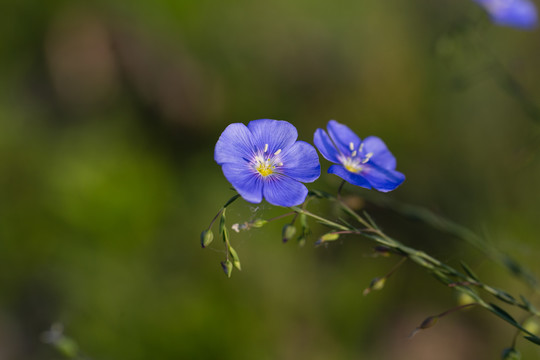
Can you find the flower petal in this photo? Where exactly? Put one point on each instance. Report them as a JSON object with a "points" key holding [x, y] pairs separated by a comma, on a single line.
{"points": [[515, 13], [327, 149], [277, 134], [381, 155], [382, 179], [248, 183], [284, 191], [301, 162], [234, 145], [350, 177], [343, 137]]}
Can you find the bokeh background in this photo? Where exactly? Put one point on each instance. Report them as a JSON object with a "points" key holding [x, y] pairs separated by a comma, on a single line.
{"points": [[109, 113]]}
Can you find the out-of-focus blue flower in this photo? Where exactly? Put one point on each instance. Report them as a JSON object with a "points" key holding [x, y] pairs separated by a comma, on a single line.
{"points": [[515, 13], [367, 163], [263, 159]]}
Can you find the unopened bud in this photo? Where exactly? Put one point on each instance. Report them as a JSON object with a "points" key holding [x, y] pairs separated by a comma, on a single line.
{"points": [[382, 250], [329, 237], [429, 322], [207, 236], [510, 354], [426, 324], [465, 299], [227, 267], [236, 259], [531, 325], [376, 284], [257, 223], [67, 347], [288, 232]]}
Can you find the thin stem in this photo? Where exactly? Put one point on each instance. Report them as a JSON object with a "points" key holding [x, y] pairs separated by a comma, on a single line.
{"points": [[229, 202], [282, 216], [454, 309], [339, 189], [395, 267], [320, 219]]}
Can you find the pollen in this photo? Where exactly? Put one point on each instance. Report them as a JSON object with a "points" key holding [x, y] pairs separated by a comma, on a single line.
{"points": [[265, 166], [351, 146], [368, 156], [265, 169], [265, 147], [352, 164], [277, 152]]}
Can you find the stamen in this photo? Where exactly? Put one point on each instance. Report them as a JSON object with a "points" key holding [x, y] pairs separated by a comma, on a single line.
{"points": [[277, 152], [361, 147], [353, 153], [280, 164], [351, 146], [265, 147], [368, 156]]}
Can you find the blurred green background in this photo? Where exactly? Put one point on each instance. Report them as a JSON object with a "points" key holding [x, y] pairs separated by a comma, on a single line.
{"points": [[109, 113]]}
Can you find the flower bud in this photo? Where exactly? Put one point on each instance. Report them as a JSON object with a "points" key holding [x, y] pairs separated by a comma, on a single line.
{"points": [[329, 237], [510, 354], [257, 223], [429, 322], [531, 325], [288, 232], [67, 347], [426, 324], [207, 236], [465, 299], [236, 259], [227, 267], [376, 284], [382, 250]]}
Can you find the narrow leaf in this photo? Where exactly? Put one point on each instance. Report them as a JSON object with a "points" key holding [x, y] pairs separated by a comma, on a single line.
{"points": [[469, 271], [533, 339]]}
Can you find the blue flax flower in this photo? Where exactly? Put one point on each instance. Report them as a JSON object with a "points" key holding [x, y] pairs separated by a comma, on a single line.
{"points": [[263, 159], [367, 163], [514, 13]]}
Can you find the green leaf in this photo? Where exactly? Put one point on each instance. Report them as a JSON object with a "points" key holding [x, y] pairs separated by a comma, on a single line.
{"points": [[222, 227], [504, 315], [533, 339], [504, 296], [469, 271], [530, 307]]}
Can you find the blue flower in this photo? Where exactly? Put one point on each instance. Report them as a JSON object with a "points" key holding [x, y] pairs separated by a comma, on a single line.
{"points": [[263, 159], [367, 163], [514, 13]]}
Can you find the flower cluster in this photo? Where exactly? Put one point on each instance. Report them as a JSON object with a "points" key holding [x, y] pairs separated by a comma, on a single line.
{"points": [[515, 13], [264, 160]]}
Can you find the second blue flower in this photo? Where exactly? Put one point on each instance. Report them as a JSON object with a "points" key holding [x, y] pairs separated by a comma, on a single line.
{"points": [[367, 163]]}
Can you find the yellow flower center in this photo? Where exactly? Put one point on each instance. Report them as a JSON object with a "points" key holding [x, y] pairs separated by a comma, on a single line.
{"points": [[264, 168], [354, 162], [266, 164]]}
